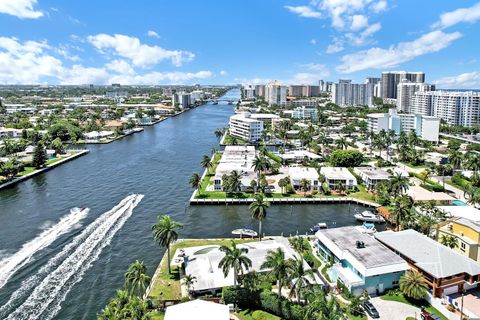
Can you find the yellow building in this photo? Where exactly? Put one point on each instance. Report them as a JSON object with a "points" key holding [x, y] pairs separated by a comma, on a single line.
{"points": [[466, 233]]}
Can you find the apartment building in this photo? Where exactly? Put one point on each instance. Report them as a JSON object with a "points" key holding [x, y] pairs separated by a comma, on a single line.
{"points": [[391, 79], [346, 93], [406, 91], [245, 127], [276, 93]]}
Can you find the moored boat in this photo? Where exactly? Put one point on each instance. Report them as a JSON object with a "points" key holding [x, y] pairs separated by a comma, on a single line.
{"points": [[246, 231], [368, 216], [318, 226]]}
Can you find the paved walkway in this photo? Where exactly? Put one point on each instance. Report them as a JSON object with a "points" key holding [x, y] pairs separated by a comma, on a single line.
{"points": [[392, 310]]}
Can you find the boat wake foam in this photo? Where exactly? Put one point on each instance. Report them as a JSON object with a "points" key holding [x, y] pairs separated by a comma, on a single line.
{"points": [[41, 295], [12, 263]]}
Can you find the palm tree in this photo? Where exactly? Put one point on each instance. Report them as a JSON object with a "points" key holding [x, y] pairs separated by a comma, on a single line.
{"points": [[218, 133], [320, 307], [234, 181], [371, 137], [342, 143], [189, 280], [278, 265], [413, 285], [299, 276], [340, 187], [449, 241], [282, 183], [206, 162], [235, 258], [398, 184], [136, 277], [472, 162], [455, 158], [298, 243], [304, 185], [473, 195], [196, 182], [258, 209], [403, 207], [164, 233], [259, 164]]}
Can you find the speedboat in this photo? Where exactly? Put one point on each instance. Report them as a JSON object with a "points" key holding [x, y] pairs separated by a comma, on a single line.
{"points": [[368, 216], [318, 226], [246, 231], [367, 227]]}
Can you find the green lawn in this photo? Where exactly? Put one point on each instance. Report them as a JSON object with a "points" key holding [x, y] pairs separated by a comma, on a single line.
{"points": [[167, 286], [228, 140], [424, 304], [420, 166], [256, 315], [157, 315], [51, 161], [362, 194]]}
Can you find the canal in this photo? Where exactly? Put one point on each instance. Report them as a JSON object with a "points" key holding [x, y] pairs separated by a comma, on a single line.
{"points": [[156, 163]]}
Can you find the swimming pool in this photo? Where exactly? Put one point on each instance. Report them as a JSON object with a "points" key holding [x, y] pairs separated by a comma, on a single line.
{"points": [[459, 203]]}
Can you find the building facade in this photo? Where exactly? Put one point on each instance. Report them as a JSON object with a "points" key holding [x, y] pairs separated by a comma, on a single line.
{"points": [[461, 108], [406, 91], [345, 93], [391, 79], [276, 93], [303, 113], [244, 127], [248, 92]]}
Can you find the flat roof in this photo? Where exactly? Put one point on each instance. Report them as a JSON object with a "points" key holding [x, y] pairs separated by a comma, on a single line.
{"points": [[374, 173], [374, 254], [427, 254], [467, 212], [198, 309], [337, 173], [420, 194], [298, 173]]}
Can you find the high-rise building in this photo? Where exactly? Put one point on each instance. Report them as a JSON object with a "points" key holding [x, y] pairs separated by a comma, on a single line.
{"points": [[295, 90], [260, 90], [405, 92], [427, 127], [248, 92], [460, 108], [276, 93], [310, 91], [325, 86], [391, 79], [243, 126], [346, 93]]}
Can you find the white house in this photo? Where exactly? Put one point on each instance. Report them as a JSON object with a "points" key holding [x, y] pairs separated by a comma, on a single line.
{"points": [[198, 309], [371, 176], [297, 174], [246, 128], [336, 175]]}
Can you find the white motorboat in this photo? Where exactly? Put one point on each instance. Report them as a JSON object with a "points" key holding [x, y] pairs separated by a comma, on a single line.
{"points": [[245, 232], [368, 216], [318, 226], [367, 227]]}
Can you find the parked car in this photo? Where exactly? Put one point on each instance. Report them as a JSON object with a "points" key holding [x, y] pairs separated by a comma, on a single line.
{"points": [[370, 309], [429, 316]]}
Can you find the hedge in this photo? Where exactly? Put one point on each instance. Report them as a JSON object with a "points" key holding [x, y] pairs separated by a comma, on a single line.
{"points": [[326, 189], [433, 186], [280, 306], [274, 157]]}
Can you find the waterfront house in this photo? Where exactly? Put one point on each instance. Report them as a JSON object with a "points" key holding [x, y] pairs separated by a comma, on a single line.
{"points": [[299, 155], [360, 262], [297, 174], [198, 309], [202, 263], [420, 194], [235, 158], [371, 176], [243, 126], [336, 175], [445, 271], [95, 136]]}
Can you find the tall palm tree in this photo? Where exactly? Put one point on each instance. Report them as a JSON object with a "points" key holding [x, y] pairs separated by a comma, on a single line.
{"points": [[402, 211], [258, 209], [136, 278], [278, 265], [472, 162], [298, 243], [342, 143], [413, 285], [449, 241], [455, 158], [219, 133], [235, 258], [398, 184], [196, 182], [340, 187], [299, 277], [259, 164], [320, 307], [164, 233], [234, 181], [206, 163], [371, 135], [189, 280]]}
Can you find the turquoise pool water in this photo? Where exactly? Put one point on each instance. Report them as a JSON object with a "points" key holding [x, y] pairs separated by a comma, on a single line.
{"points": [[459, 203]]}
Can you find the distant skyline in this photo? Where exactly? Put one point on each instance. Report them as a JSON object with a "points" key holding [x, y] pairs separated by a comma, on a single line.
{"points": [[248, 41]]}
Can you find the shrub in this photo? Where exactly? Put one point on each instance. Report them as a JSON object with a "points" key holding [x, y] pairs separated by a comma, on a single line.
{"points": [[241, 297], [280, 306], [346, 158], [326, 189]]}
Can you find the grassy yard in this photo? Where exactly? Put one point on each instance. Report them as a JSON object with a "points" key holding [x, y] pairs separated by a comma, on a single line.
{"points": [[362, 194], [26, 170], [157, 315], [256, 315], [167, 286], [228, 140], [424, 304]]}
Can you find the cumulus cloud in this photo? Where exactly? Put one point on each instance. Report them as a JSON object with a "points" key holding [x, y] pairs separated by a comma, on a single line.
{"points": [[22, 9], [379, 58], [359, 22], [467, 80], [454, 17], [335, 47], [304, 11], [379, 6], [223, 73], [363, 37], [141, 55], [314, 72], [29, 62], [153, 34]]}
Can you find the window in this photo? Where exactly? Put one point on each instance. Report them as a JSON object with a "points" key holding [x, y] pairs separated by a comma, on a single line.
{"points": [[395, 283], [462, 246]]}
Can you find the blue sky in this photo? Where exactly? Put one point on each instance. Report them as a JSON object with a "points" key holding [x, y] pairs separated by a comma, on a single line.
{"points": [[248, 41]]}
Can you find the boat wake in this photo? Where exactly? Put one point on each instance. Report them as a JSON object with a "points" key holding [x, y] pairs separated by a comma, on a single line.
{"points": [[41, 295], [12, 263]]}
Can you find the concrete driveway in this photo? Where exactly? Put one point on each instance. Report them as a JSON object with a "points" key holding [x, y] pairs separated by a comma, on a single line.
{"points": [[392, 310]]}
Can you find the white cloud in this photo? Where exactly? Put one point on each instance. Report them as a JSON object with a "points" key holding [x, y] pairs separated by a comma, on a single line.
{"points": [[379, 6], [316, 71], [223, 73], [359, 22], [341, 11], [141, 55], [313, 41], [467, 80], [395, 55], [304, 11], [364, 36], [30, 62], [153, 34], [20, 8], [335, 47], [256, 80], [454, 17]]}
